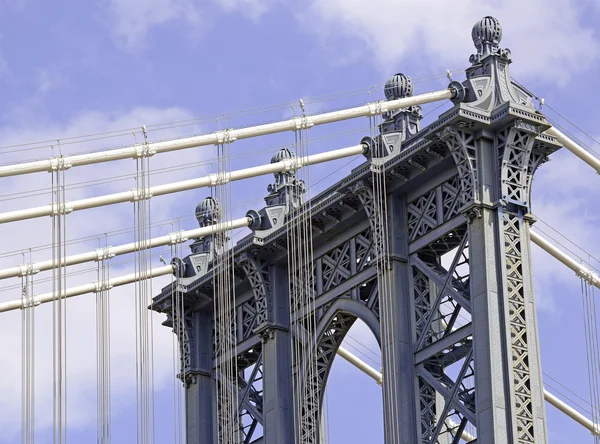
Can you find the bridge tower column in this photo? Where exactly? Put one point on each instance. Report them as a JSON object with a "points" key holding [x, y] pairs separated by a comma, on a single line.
{"points": [[269, 285], [497, 148], [198, 380], [509, 390], [400, 386], [400, 395]]}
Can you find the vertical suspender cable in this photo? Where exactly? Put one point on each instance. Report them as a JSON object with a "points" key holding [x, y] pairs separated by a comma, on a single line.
{"points": [[143, 334], [225, 312], [592, 347], [301, 288], [27, 360], [103, 350], [59, 307], [381, 243]]}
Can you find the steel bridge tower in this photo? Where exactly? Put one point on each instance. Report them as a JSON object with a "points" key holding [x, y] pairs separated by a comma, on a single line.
{"points": [[463, 331]]}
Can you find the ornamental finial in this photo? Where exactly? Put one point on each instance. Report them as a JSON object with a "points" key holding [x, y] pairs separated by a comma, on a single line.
{"points": [[487, 34], [398, 87]]}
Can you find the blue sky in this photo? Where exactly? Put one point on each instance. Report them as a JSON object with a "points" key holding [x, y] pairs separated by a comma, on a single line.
{"points": [[77, 68]]}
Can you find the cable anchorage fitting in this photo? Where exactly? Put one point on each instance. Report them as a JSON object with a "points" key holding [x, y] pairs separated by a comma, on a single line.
{"points": [[177, 237], [29, 269], [588, 275], [218, 178], [141, 194], [291, 164], [144, 150], [104, 253], [60, 163], [379, 107], [304, 122], [225, 136], [65, 208], [29, 302], [102, 286]]}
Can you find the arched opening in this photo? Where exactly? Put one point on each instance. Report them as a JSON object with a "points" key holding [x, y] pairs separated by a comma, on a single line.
{"points": [[352, 401]]}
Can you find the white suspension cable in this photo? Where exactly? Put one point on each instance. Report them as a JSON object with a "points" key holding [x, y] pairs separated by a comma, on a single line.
{"points": [[581, 271], [94, 287], [576, 149], [109, 252], [146, 150], [138, 194], [549, 397], [378, 377], [572, 413]]}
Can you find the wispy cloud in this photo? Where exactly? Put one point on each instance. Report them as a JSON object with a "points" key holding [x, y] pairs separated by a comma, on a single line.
{"points": [[132, 20], [550, 43], [250, 8]]}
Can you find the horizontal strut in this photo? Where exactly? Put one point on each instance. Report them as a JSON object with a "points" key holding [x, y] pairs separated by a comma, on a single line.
{"points": [[149, 149], [174, 238], [159, 190]]}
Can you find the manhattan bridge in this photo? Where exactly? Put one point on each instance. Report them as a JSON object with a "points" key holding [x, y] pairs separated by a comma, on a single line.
{"points": [[427, 242]]}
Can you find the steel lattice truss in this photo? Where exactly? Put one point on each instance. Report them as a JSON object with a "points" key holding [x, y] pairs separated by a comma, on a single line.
{"points": [[463, 324]]}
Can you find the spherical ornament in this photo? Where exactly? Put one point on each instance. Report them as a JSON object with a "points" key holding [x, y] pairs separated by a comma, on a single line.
{"points": [[398, 86], [208, 212], [487, 30], [282, 154]]}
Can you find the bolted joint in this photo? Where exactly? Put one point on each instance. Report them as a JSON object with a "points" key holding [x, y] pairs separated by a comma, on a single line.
{"points": [[64, 208], [379, 107], [104, 253], [102, 286], [304, 122], [29, 269], [60, 163], [225, 136], [138, 194], [145, 150], [29, 302], [177, 237]]}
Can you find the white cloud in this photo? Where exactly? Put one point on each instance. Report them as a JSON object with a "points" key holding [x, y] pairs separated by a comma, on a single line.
{"points": [[251, 8], [133, 19], [549, 43]]}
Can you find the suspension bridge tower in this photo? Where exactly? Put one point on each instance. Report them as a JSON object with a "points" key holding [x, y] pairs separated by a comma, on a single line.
{"points": [[427, 242]]}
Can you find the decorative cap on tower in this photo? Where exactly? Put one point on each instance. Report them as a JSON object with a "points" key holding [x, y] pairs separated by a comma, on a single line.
{"points": [[281, 177], [283, 153], [286, 189], [400, 124], [398, 87], [487, 34], [208, 212], [487, 31]]}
